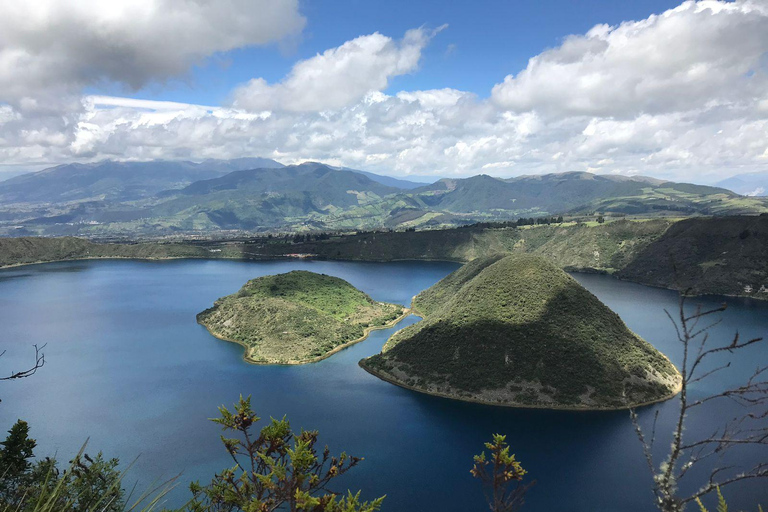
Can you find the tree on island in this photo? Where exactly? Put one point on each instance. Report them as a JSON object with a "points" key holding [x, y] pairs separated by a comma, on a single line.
{"points": [[748, 429]]}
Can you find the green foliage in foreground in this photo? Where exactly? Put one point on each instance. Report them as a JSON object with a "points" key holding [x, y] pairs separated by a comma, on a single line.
{"points": [[296, 317], [502, 476], [87, 484], [517, 330], [275, 468], [722, 505]]}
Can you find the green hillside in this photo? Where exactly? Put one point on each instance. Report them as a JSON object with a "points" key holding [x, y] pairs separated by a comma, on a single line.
{"points": [[602, 247], [120, 181], [581, 192], [721, 255], [156, 199], [296, 318], [518, 331], [307, 194]]}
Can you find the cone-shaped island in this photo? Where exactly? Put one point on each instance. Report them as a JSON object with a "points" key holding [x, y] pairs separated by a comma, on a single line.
{"points": [[518, 331], [296, 318]]}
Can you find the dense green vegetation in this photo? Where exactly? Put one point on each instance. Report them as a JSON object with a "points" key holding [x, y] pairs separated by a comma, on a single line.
{"points": [[517, 330], [247, 196], [26, 250], [88, 484], [582, 192], [295, 318], [721, 255], [121, 181], [286, 470], [578, 246]]}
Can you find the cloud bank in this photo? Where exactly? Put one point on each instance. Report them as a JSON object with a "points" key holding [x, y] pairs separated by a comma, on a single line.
{"points": [[53, 46], [680, 95], [698, 54]]}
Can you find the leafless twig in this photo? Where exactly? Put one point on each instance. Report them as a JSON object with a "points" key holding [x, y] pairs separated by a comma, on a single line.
{"points": [[749, 428], [39, 363]]}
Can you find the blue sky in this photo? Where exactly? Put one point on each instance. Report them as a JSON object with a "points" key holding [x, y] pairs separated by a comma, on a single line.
{"points": [[672, 89], [484, 42]]}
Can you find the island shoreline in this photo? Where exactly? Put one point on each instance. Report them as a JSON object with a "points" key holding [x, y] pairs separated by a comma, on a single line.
{"points": [[366, 332], [391, 380]]}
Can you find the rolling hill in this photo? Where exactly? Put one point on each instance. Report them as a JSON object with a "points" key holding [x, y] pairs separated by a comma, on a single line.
{"points": [[518, 331], [405, 184], [297, 317], [268, 197], [721, 255], [116, 181], [703, 255], [152, 199], [749, 184], [580, 192]]}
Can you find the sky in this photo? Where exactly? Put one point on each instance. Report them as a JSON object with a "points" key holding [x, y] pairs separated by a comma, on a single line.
{"points": [[430, 88]]}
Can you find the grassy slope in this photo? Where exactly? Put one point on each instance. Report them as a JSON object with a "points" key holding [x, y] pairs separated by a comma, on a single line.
{"points": [[523, 322], [711, 255], [607, 247], [582, 192], [296, 317], [687, 199], [20, 251], [312, 197], [724, 255]]}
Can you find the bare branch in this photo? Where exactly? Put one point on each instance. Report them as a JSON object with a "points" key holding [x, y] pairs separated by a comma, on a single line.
{"points": [[39, 363], [747, 429]]}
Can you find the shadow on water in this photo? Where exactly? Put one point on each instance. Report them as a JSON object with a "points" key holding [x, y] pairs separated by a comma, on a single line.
{"points": [[8, 277]]}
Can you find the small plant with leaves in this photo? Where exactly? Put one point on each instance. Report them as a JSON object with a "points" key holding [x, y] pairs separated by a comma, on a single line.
{"points": [[722, 505], [275, 468], [87, 484], [502, 476]]}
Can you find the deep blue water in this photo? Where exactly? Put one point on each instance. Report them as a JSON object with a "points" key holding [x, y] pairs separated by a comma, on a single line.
{"points": [[128, 367]]}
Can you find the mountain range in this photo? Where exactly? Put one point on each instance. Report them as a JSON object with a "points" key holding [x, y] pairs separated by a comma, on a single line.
{"points": [[128, 199], [118, 181], [750, 184]]}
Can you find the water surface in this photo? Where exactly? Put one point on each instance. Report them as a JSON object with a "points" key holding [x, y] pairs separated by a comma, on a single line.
{"points": [[128, 367]]}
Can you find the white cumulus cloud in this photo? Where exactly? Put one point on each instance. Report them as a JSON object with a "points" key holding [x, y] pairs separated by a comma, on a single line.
{"points": [[54, 45], [681, 95], [700, 53], [339, 76]]}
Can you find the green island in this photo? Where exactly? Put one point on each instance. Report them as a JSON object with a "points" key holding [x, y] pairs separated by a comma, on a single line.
{"points": [[518, 331], [298, 317]]}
